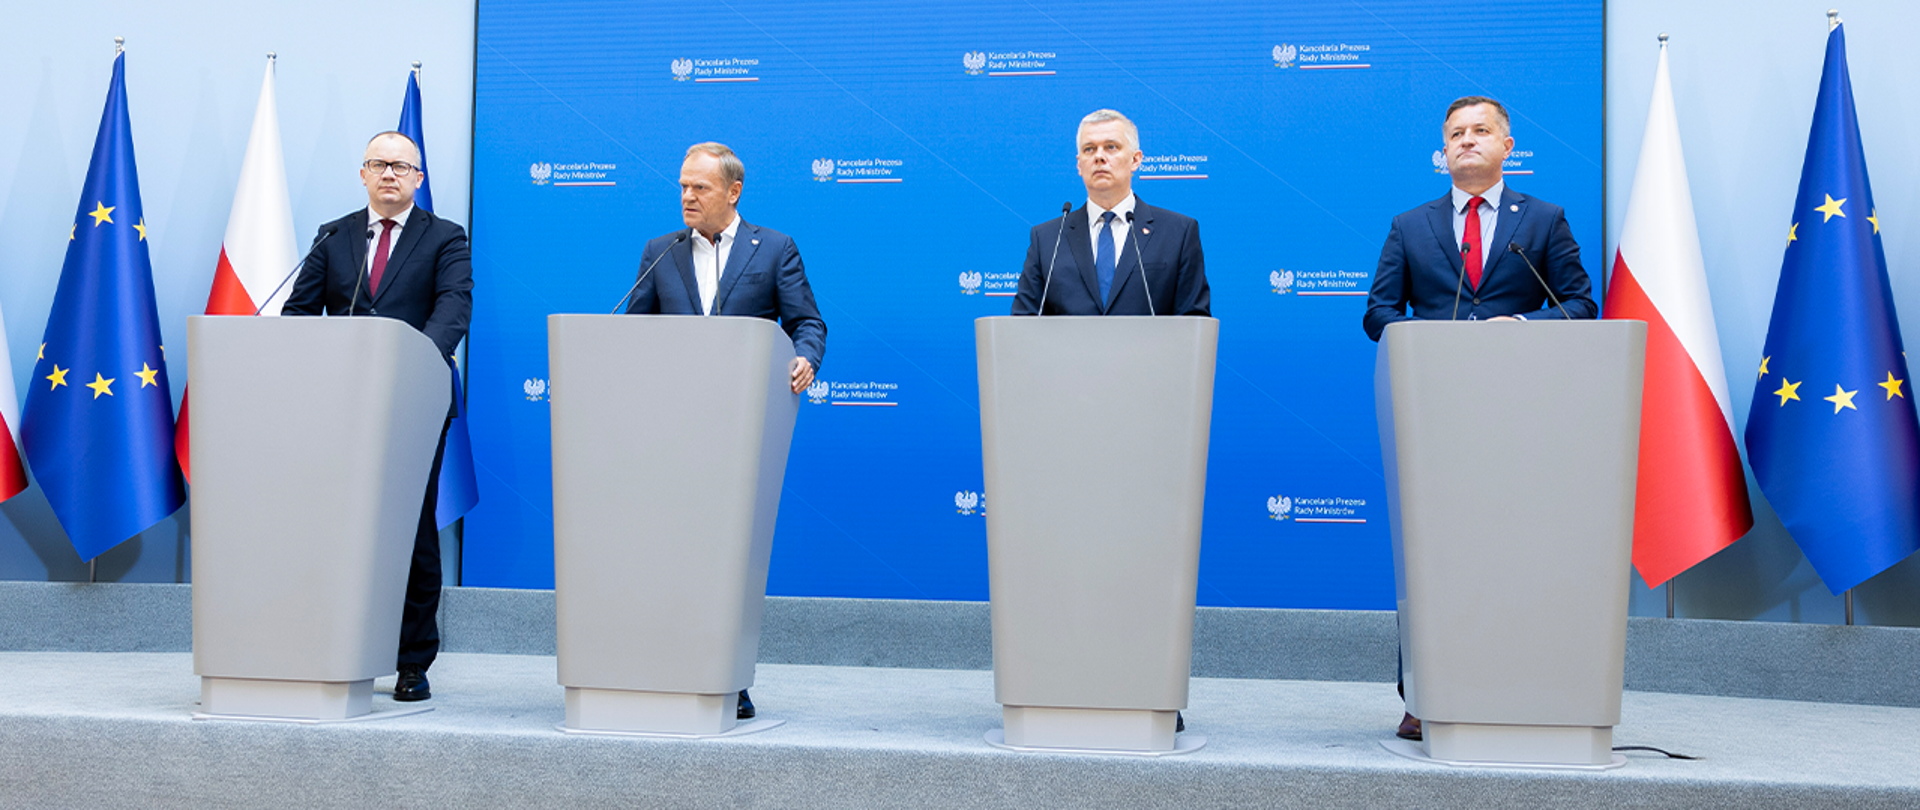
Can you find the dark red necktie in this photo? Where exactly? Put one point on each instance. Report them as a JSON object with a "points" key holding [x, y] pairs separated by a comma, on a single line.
{"points": [[1473, 241], [386, 236]]}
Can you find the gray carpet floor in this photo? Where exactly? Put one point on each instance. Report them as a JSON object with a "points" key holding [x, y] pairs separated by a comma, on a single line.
{"points": [[113, 729]]}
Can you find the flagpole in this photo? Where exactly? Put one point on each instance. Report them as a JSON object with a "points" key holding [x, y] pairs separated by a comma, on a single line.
{"points": [[1669, 598], [1833, 21], [1848, 596], [119, 47], [416, 71]]}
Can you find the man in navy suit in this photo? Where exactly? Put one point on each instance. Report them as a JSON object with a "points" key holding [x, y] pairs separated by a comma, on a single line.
{"points": [[1432, 257], [394, 260], [723, 265], [1450, 259], [1117, 255]]}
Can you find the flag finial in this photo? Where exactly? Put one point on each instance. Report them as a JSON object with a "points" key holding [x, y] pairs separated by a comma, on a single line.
{"points": [[272, 56], [1833, 18], [119, 44], [1663, 39]]}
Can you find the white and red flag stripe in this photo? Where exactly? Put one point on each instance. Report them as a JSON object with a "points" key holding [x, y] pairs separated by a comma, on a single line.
{"points": [[1692, 496], [258, 250], [13, 474]]}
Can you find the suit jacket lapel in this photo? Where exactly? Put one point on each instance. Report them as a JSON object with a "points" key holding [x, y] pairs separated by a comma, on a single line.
{"points": [[1440, 217], [682, 252], [1503, 229], [746, 240], [417, 223], [1081, 246]]}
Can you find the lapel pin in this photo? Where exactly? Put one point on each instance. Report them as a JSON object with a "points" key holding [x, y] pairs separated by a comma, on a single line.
{"points": [[1514, 208], [1146, 230], [756, 241]]}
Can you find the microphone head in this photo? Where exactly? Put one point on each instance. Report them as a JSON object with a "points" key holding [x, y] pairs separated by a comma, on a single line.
{"points": [[1129, 217], [1513, 247], [1466, 247], [1066, 208]]}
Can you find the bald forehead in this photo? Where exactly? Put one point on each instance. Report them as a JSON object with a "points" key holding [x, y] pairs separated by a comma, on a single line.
{"points": [[388, 147]]}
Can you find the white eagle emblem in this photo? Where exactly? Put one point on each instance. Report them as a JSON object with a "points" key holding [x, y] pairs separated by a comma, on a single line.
{"points": [[535, 388], [541, 173], [682, 68], [975, 61], [1440, 162], [1282, 281], [1279, 507], [817, 392], [965, 500], [970, 282], [823, 169], [1284, 54]]}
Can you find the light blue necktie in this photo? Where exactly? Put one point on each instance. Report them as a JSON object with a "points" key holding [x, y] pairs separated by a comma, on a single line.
{"points": [[1103, 256]]}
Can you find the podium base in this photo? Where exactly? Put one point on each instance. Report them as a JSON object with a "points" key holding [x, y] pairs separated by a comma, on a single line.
{"points": [[633, 711], [1488, 743], [287, 700], [1089, 729]]}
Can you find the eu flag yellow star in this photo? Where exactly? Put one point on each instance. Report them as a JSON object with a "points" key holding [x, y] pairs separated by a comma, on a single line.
{"points": [[1787, 391], [1793, 233], [43, 352], [59, 376], [1874, 217], [101, 385], [1893, 386], [101, 213], [1842, 398], [1832, 208], [1763, 366], [146, 376], [142, 228]]}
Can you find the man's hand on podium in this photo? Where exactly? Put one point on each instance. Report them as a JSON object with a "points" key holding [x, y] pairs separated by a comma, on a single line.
{"points": [[802, 373]]}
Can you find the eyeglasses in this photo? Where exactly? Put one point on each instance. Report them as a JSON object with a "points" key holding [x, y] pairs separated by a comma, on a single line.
{"points": [[400, 169]]}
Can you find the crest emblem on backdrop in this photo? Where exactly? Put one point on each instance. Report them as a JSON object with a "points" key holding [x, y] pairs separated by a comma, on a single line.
{"points": [[970, 282], [965, 501], [682, 68], [975, 62], [541, 173], [817, 392], [1283, 55], [1279, 507], [535, 388], [823, 169], [1440, 162], [1282, 281]]}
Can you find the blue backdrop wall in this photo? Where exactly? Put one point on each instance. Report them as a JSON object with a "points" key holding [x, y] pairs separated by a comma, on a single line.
{"points": [[909, 149]]}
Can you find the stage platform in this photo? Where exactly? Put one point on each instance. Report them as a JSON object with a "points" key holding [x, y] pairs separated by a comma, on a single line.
{"points": [[865, 727]]}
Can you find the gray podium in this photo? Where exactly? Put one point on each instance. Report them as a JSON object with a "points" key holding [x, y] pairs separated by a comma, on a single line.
{"points": [[670, 438], [1094, 442], [312, 439], [1510, 452]]}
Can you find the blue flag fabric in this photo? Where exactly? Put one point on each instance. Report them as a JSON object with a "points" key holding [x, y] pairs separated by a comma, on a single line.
{"points": [[1832, 434], [459, 489], [98, 424]]}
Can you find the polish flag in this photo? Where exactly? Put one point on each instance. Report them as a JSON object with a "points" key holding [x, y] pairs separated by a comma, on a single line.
{"points": [[258, 251], [1692, 497], [13, 476]]}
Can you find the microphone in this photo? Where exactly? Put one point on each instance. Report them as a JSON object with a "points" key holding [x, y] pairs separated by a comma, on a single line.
{"points": [[1465, 248], [1066, 210], [1134, 233], [360, 273], [325, 232], [1515, 248], [677, 239]]}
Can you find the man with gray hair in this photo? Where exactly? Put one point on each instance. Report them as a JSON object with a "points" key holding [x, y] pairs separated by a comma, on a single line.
{"points": [[723, 265], [1121, 256]]}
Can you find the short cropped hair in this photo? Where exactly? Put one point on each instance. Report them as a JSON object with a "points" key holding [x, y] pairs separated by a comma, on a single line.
{"points": [[1468, 101], [731, 169], [401, 136], [1102, 116]]}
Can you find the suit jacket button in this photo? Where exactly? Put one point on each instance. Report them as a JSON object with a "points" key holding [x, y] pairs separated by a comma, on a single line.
{"points": [[1476, 302]]}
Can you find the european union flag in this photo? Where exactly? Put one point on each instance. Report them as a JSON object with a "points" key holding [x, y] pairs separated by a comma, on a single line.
{"points": [[1832, 435], [459, 490], [98, 426]]}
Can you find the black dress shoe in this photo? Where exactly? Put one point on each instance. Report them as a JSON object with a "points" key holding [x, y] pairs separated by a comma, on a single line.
{"points": [[412, 685], [1409, 728], [1179, 723], [745, 712]]}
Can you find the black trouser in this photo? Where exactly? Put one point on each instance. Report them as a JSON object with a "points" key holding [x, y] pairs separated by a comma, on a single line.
{"points": [[419, 629]]}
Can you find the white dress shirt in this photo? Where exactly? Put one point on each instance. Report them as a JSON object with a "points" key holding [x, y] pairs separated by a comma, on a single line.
{"points": [[1118, 229], [373, 237], [709, 259], [1489, 216]]}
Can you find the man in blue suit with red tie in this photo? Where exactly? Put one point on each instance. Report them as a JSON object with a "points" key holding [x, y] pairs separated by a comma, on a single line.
{"points": [[1465, 256], [723, 265], [1117, 255]]}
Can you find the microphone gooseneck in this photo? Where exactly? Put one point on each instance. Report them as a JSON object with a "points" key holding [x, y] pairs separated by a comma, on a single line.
{"points": [[359, 273], [1465, 248], [297, 266], [677, 239], [1134, 234], [1066, 210], [1514, 247]]}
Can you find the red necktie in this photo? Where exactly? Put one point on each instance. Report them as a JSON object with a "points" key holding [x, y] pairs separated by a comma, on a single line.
{"points": [[386, 235], [1473, 241]]}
